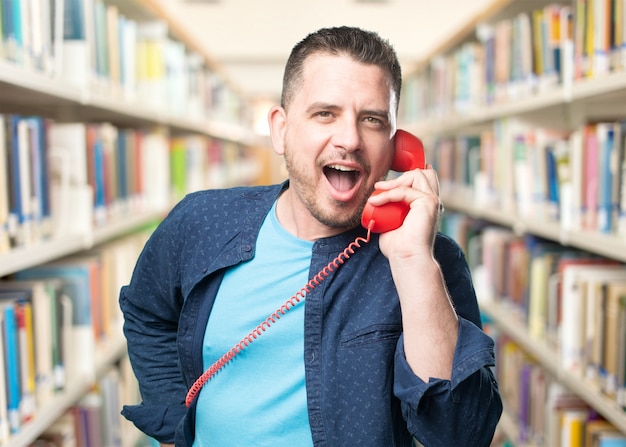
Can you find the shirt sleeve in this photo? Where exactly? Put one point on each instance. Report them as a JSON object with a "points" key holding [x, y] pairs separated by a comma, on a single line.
{"points": [[150, 304], [461, 411], [465, 409]]}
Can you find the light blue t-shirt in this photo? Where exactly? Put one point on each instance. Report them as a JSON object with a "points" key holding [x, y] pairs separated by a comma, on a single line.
{"points": [[259, 398]]}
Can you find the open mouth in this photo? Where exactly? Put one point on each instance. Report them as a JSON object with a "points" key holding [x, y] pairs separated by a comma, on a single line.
{"points": [[342, 178]]}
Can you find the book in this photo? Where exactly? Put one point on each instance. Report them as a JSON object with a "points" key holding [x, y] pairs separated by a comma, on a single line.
{"points": [[614, 439], [154, 166], [615, 342], [566, 43], [607, 172], [522, 165], [596, 285], [24, 316], [4, 189], [12, 361], [13, 33], [552, 181], [516, 281], [607, 333], [573, 427], [542, 266], [112, 17], [589, 42], [494, 244], [67, 342], [74, 55], [20, 172], [4, 416], [109, 387], [560, 432], [620, 184], [80, 360], [178, 167], [574, 328], [539, 168], [151, 77], [538, 42], [540, 381], [70, 194], [552, 48], [590, 183], [504, 129], [95, 172], [524, 409], [128, 58], [87, 419], [580, 55], [45, 337], [574, 216], [594, 428], [563, 180], [601, 40]]}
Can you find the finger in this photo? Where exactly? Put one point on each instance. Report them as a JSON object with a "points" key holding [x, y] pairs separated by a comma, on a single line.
{"points": [[426, 180]]}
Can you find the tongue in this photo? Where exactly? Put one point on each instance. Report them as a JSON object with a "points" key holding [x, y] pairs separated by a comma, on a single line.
{"points": [[341, 181]]}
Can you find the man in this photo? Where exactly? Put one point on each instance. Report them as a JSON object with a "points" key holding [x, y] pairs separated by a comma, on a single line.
{"points": [[387, 347]]}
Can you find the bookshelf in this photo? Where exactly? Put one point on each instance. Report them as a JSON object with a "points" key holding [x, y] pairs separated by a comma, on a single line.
{"points": [[509, 118], [501, 316], [107, 355], [155, 96]]}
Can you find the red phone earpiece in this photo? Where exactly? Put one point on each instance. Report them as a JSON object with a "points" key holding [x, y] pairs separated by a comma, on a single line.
{"points": [[409, 155]]}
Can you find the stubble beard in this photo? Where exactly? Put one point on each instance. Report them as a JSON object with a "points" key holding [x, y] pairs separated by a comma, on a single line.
{"points": [[304, 188]]}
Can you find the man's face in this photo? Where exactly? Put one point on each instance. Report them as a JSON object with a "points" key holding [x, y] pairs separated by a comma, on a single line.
{"points": [[337, 137]]}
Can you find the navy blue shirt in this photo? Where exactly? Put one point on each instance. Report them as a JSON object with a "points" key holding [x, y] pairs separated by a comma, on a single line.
{"points": [[360, 388]]}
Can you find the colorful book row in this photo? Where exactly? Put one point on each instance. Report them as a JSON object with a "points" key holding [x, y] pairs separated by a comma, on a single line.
{"points": [[545, 412], [572, 301], [577, 179], [95, 420], [511, 59], [67, 178], [54, 316], [96, 46]]}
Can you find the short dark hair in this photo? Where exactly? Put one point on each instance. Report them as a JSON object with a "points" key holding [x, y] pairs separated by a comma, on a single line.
{"points": [[361, 45]]}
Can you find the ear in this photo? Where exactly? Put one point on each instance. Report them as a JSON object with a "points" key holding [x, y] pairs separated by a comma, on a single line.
{"points": [[277, 118]]}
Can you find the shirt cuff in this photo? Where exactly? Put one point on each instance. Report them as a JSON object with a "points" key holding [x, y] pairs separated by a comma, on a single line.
{"points": [[474, 350], [156, 421]]}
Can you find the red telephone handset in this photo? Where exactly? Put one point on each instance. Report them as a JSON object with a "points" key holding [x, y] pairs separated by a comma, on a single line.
{"points": [[409, 155]]}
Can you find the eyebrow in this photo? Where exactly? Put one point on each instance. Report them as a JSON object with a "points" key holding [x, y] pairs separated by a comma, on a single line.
{"points": [[322, 106]]}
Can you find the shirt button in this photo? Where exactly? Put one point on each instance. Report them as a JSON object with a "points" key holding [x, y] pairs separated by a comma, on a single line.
{"points": [[247, 248]]}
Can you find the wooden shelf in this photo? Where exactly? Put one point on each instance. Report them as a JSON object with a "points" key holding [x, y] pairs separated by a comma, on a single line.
{"points": [[29, 92], [607, 245]]}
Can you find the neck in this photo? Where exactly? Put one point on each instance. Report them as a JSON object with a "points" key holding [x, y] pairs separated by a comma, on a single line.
{"points": [[298, 220]]}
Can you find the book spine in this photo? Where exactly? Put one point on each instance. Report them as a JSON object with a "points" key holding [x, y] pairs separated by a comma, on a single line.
{"points": [[13, 366]]}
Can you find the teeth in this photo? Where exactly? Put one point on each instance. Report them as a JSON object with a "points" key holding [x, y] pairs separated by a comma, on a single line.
{"points": [[341, 168]]}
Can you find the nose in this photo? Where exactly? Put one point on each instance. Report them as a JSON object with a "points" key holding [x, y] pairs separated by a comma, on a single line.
{"points": [[347, 137]]}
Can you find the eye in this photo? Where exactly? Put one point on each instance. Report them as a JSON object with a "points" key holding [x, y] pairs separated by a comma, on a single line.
{"points": [[324, 114], [374, 121]]}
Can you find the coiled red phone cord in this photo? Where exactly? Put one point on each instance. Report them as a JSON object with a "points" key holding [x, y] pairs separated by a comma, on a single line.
{"points": [[274, 317]]}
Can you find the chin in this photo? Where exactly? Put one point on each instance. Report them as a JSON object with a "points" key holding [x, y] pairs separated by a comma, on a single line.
{"points": [[340, 220]]}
